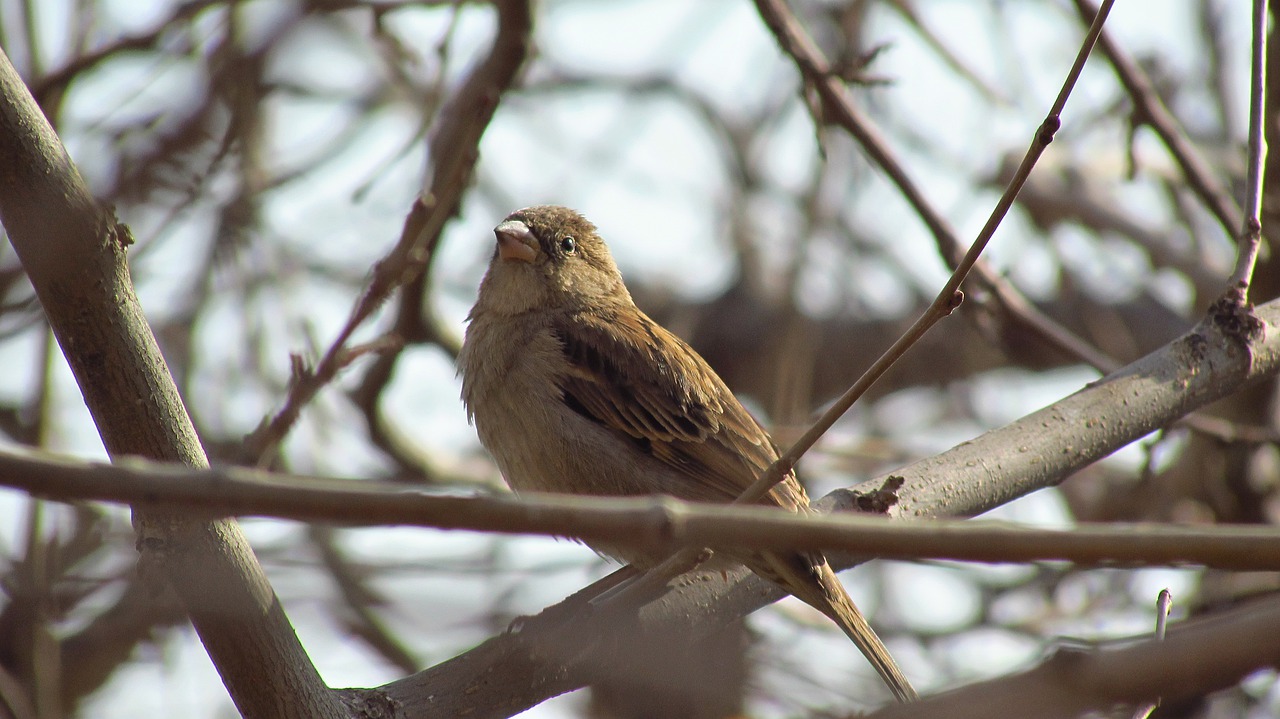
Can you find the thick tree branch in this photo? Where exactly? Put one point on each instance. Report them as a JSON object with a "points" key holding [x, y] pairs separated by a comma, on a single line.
{"points": [[1195, 658], [73, 251]]}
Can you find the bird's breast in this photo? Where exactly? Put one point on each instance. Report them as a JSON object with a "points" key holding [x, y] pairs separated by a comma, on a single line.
{"points": [[511, 373]]}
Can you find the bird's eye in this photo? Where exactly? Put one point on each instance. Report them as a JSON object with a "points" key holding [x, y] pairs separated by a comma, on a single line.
{"points": [[568, 245]]}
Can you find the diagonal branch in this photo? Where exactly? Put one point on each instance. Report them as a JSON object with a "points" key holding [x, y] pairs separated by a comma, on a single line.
{"points": [[1196, 658], [74, 252], [949, 297], [839, 106]]}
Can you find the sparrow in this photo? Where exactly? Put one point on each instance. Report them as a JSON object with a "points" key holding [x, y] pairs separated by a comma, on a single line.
{"points": [[573, 389]]}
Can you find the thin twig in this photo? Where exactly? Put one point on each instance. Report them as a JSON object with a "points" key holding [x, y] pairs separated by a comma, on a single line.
{"points": [[359, 601], [1164, 604], [1251, 229], [910, 13], [795, 42], [841, 109], [650, 522]]}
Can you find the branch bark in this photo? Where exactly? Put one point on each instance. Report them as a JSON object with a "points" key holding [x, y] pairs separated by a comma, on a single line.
{"points": [[74, 252], [661, 524], [1196, 658]]}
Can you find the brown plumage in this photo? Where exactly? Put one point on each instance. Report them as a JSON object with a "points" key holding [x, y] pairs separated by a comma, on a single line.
{"points": [[573, 389]]}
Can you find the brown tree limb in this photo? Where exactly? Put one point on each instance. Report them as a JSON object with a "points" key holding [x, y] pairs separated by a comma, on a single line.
{"points": [[658, 523], [1195, 658], [74, 253]]}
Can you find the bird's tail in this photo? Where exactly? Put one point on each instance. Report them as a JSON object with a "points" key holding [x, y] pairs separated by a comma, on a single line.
{"points": [[844, 613], [819, 588]]}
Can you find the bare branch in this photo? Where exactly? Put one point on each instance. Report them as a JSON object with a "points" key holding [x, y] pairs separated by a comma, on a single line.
{"points": [[1250, 239], [1195, 658], [840, 107], [74, 253], [658, 523], [950, 296]]}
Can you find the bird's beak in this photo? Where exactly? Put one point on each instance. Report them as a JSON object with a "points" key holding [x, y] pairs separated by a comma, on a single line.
{"points": [[516, 241]]}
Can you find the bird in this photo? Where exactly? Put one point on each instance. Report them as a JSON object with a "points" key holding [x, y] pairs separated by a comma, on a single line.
{"points": [[573, 389]]}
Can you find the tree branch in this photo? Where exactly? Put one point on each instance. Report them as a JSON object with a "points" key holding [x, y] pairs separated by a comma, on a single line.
{"points": [[1195, 658], [839, 107], [74, 252], [654, 523]]}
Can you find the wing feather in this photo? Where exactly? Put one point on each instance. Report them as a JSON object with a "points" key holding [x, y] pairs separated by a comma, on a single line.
{"points": [[634, 377]]}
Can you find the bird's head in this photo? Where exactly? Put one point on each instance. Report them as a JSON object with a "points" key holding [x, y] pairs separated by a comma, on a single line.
{"points": [[549, 257]]}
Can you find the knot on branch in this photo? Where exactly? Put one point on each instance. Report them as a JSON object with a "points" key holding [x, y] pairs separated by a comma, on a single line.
{"points": [[880, 500], [1234, 317], [666, 523]]}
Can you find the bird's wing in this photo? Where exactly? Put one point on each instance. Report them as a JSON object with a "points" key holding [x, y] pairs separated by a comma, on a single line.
{"points": [[634, 377]]}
